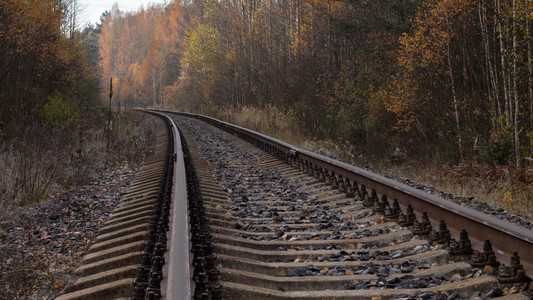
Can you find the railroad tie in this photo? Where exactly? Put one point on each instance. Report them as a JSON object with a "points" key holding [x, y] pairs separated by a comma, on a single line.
{"points": [[110, 264]]}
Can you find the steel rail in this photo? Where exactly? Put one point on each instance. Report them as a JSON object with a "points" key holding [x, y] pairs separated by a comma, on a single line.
{"points": [[177, 272], [505, 237]]}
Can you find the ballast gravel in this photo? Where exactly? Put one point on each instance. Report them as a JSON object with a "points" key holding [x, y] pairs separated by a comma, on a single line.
{"points": [[43, 244], [263, 210]]}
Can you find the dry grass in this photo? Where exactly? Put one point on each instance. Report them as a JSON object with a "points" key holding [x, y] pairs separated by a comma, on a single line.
{"points": [[498, 186], [495, 185], [42, 160], [271, 121]]}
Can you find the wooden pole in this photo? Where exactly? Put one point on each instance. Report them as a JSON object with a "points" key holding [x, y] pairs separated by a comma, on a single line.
{"points": [[109, 112]]}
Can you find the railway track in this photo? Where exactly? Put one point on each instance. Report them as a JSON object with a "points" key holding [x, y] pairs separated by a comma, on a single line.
{"points": [[266, 220]]}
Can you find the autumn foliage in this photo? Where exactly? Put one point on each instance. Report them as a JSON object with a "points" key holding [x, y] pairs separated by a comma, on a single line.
{"points": [[51, 114], [445, 76], [40, 64]]}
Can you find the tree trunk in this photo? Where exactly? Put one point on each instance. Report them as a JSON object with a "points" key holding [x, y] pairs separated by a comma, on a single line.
{"points": [[505, 73], [455, 106], [529, 83], [515, 92]]}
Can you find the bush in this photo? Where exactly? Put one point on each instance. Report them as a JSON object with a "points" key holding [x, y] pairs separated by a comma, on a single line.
{"points": [[59, 111], [501, 143]]}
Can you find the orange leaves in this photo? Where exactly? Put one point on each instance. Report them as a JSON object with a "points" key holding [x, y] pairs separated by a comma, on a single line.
{"points": [[423, 57], [134, 48]]}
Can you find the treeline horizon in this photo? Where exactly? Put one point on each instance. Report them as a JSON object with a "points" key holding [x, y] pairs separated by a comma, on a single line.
{"points": [[450, 80]]}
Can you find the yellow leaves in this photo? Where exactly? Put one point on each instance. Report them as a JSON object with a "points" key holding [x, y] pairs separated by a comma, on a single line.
{"points": [[219, 206], [505, 291], [507, 200], [282, 273], [487, 268]]}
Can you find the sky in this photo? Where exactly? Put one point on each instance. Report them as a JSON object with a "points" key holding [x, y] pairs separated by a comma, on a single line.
{"points": [[92, 9]]}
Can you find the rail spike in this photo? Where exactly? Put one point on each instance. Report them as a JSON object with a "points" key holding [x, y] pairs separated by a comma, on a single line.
{"points": [[321, 176], [314, 171], [393, 213], [342, 187], [334, 181], [461, 247], [327, 177], [374, 197], [424, 227], [485, 257], [381, 205], [402, 219], [441, 236], [514, 273], [349, 188], [367, 201], [357, 192], [410, 214]]}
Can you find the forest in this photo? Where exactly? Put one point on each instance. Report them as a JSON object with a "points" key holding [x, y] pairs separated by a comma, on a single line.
{"points": [[446, 80], [52, 116]]}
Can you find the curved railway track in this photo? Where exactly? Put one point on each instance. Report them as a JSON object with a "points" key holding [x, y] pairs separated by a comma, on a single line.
{"points": [[245, 216]]}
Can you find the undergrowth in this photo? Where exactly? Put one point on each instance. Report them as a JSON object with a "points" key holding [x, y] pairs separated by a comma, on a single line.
{"points": [[41, 159], [500, 186]]}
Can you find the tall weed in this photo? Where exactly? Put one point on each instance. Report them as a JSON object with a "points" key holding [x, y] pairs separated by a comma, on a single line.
{"points": [[270, 120], [41, 159]]}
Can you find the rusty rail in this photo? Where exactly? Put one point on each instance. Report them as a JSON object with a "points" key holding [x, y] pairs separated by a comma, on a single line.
{"points": [[177, 272], [505, 237]]}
